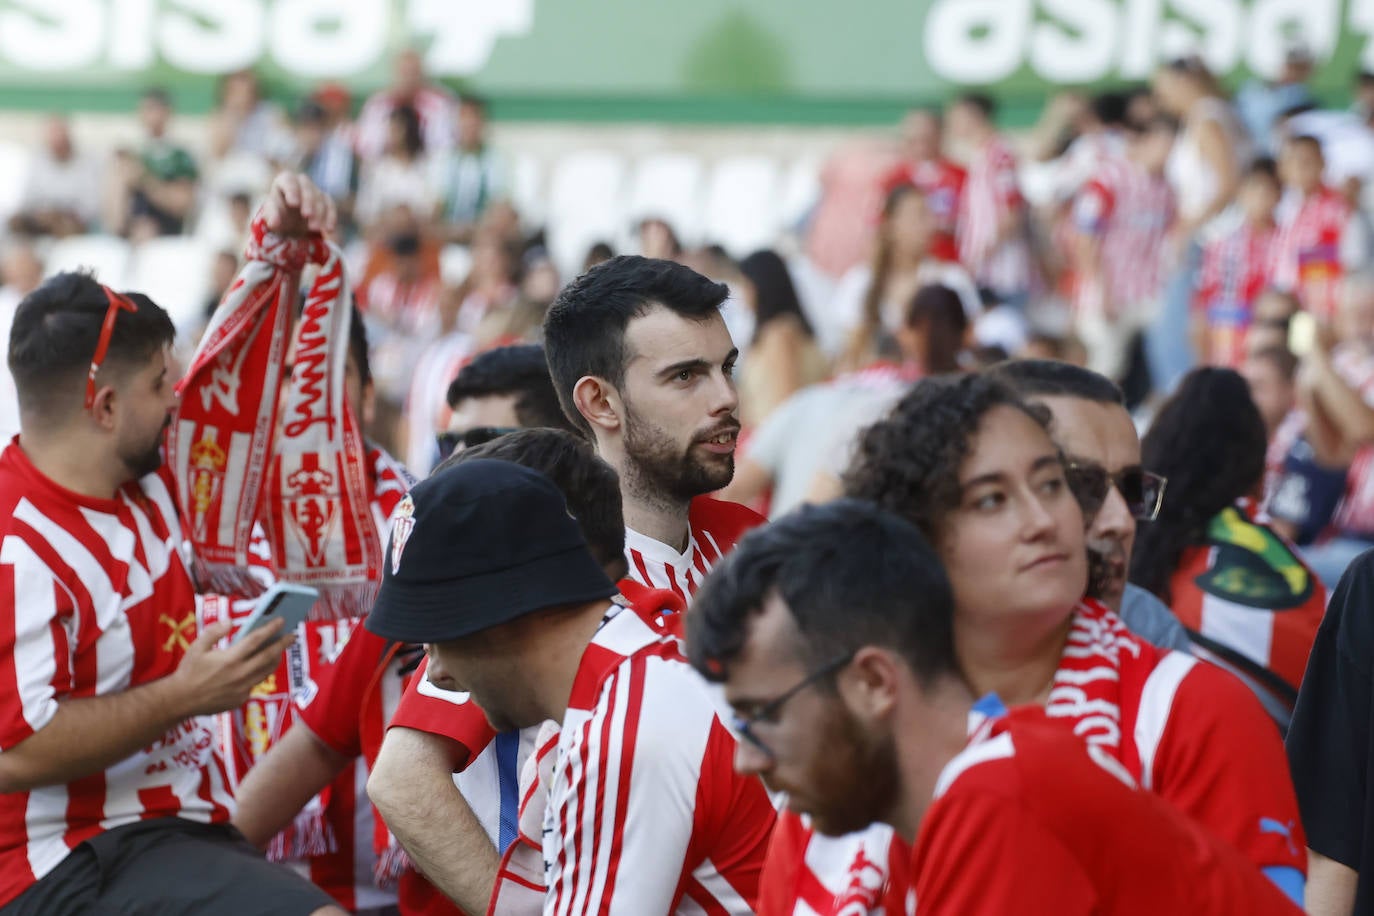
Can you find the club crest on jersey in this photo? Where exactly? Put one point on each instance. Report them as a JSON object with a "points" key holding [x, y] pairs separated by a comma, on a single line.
{"points": [[402, 523]]}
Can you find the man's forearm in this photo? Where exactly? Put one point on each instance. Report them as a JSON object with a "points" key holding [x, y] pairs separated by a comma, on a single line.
{"points": [[91, 734], [280, 784], [1330, 886], [412, 786]]}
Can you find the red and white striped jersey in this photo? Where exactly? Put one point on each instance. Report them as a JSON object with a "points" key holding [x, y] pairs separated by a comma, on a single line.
{"points": [[1354, 363], [1128, 211], [98, 600], [1184, 729], [942, 183], [434, 106], [713, 528], [990, 195], [1307, 253], [646, 813], [1236, 267]]}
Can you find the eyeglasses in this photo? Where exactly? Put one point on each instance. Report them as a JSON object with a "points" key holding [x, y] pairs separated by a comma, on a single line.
{"points": [[102, 347], [478, 435], [768, 712], [1142, 490]]}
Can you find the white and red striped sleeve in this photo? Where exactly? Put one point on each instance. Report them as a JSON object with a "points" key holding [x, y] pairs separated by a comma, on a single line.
{"points": [[625, 827], [35, 647]]}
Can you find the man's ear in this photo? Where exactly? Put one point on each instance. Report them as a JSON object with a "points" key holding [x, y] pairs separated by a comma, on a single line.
{"points": [[103, 409], [869, 685], [599, 403]]}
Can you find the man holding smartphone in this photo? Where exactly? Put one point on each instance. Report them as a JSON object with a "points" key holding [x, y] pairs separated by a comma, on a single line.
{"points": [[112, 795]]}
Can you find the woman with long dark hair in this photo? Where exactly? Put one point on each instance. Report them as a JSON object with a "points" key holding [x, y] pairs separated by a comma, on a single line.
{"points": [[1244, 595], [783, 356], [975, 469]]}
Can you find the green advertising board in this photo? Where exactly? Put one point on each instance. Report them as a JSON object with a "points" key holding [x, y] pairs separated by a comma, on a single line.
{"points": [[788, 61]]}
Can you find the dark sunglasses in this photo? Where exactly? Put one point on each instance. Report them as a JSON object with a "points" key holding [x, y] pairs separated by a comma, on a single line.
{"points": [[744, 725], [1142, 490], [479, 435]]}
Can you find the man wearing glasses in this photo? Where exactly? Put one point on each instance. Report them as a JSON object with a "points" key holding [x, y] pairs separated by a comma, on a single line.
{"points": [[112, 795], [644, 807], [832, 634], [1091, 424]]}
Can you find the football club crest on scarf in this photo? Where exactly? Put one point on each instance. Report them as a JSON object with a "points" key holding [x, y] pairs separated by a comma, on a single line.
{"points": [[401, 525]]}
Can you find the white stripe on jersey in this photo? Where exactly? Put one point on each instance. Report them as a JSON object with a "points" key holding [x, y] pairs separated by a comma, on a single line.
{"points": [[46, 847], [721, 891], [1247, 630], [1156, 702], [997, 748], [34, 650]]}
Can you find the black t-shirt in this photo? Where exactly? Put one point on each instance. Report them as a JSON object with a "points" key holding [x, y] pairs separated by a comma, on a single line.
{"points": [[1329, 749]]}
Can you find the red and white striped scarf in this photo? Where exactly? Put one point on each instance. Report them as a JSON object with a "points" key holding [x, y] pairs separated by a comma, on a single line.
{"points": [[226, 420], [1087, 685], [317, 515]]}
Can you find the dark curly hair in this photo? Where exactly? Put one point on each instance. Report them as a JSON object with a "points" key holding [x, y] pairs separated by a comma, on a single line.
{"points": [[1209, 441], [909, 462]]}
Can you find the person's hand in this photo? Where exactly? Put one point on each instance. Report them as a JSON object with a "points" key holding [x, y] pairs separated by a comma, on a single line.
{"points": [[212, 680], [295, 207], [1325, 339]]}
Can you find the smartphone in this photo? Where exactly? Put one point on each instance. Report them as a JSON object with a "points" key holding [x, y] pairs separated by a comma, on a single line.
{"points": [[284, 600], [1302, 334]]}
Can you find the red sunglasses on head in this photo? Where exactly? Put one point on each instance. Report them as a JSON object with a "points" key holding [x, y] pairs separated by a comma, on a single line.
{"points": [[117, 304]]}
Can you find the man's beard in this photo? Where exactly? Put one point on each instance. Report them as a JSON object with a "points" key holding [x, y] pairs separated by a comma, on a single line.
{"points": [[659, 469], [148, 459], [858, 776], [1108, 566]]}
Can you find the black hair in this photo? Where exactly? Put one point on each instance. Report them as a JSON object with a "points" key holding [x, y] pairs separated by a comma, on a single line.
{"points": [[1305, 140], [413, 139], [909, 462], [584, 330], [1209, 441], [940, 312], [473, 100], [774, 293], [519, 369], [56, 330], [1110, 107], [981, 102], [1262, 167], [851, 575], [1364, 78], [157, 95], [589, 485], [357, 345], [1048, 378]]}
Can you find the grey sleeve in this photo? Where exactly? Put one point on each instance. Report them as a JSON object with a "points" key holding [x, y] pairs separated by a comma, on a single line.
{"points": [[1150, 619], [771, 439]]}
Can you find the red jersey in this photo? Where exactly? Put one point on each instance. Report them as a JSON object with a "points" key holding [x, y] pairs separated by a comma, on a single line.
{"points": [[434, 106], [98, 601], [1307, 258], [1128, 211], [713, 528], [1185, 730], [992, 194], [1236, 268], [1247, 597], [942, 183], [1029, 820]]}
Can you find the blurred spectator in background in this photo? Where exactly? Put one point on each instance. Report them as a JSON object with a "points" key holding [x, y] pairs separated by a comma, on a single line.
{"points": [[1123, 215], [783, 356], [657, 239], [934, 338], [490, 288], [426, 412], [62, 189], [223, 270], [325, 154], [925, 165], [1237, 265], [155, 187], [432, 105], [994, 241], [20, 273], [1058, 347], [243, 122], [1204, 168], [1321, 236], [838, 231], [1363, 89], [470, 177], [1247, 600], [596, 253], [1260, 102], [539, 281], [1271, 373], [401, 175], [870, 301]]}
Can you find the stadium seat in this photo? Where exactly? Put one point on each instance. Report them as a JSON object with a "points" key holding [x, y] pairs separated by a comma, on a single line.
{"points": [[801, 191], [744, 204], [525, 183], [14, 173], [669, 186], [585, 205], [106, 255], [174, 271]]}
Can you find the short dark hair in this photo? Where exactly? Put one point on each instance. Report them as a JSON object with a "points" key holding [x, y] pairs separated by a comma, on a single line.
{"points": [[1306, 140], [55, 332], [1263, 167], [908, 462], [519, 369], [980, 102], [584, 330], [1048, 378], [851, 575], [414, 136], [1109, 107], [590, 486]]}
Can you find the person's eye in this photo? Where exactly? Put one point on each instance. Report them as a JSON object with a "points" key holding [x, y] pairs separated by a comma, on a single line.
{"points": [[729, 370], [1053, 486], [989, 502], [683, 375]]}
